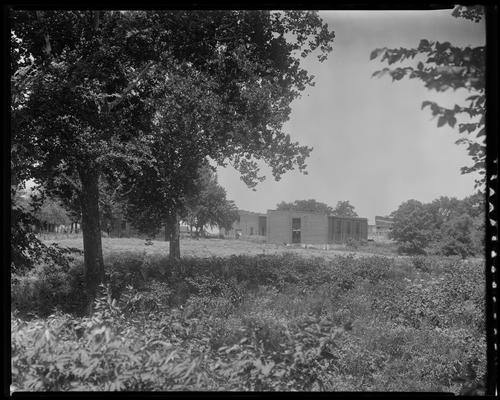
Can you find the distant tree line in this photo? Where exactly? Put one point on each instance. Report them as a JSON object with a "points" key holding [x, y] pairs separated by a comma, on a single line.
{"points": [[342, 209], [207, 207], [446, 226]]}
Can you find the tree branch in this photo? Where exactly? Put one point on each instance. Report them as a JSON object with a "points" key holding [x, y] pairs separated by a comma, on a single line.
{"points": [[48, 48], [20, 81], [96, 19], [71, 181], [131, 86]]}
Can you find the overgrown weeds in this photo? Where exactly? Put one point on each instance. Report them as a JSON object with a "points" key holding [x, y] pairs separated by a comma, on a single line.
{"points": [[269, 322]]}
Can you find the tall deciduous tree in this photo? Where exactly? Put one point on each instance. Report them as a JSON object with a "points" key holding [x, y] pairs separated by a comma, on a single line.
{"points": [[442, 67], [209, 207], [101, 93], [225, 98], [80, 107], [412, 228], [344, 209]]}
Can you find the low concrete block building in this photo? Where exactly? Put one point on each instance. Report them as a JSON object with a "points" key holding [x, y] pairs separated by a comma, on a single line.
{"points": [[248, 224], [313, 228]]}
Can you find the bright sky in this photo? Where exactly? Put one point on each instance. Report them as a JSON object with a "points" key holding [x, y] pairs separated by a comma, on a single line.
{"points": [[372, 143]]}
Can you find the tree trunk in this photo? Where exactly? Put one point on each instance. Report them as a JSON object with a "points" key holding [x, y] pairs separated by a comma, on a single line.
{"points": [[173, 230], [91, 230]]}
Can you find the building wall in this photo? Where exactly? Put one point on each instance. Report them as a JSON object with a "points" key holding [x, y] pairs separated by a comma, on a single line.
{"points": [[364, 230], [248, 225], [262, 225], [341, 229], [279, 227], [314, 227]]}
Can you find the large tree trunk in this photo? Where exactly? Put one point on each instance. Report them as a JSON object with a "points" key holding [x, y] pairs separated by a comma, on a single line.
{"points": [[91, 230], [172, 229]]}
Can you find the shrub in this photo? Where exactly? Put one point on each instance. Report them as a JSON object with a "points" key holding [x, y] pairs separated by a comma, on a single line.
{"points": [[375, 268], [124, 355], [352, 244], [457, 237], [226, 332], [156, 297], [47, 288], [345, 324], [422, 263]]}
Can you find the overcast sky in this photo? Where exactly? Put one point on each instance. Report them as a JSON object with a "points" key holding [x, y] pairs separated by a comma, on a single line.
{"points": [[373, 145]]}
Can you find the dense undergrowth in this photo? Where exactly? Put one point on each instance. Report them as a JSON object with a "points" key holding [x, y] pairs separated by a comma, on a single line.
{"points": [[270, 322]]}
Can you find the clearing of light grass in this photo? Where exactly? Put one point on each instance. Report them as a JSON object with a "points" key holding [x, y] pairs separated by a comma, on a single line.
{"points": [[227, 247]]}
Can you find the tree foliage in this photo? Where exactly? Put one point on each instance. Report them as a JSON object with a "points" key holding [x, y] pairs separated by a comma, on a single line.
{"points": [[52, 212], [310, 205], [111, 204], [457, 236], [412, 227], [104, 92], [74, 116], [344, 209], [446, 226], [228, 106], [441, 67], [209, 206], [26, 249]]}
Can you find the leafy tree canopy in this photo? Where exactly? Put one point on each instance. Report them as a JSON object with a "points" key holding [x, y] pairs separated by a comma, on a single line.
{"points": [[109, 92], [412, 227], [305, 205], [446, 225], [209, 206], [228, 106], [441, 67], [27, 250], [344, 209]]}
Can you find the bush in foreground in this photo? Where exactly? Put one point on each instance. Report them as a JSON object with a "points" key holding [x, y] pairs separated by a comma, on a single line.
{"points": [[48, 288]]}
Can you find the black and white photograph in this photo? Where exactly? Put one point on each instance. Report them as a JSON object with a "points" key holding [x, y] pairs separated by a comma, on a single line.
{"points": [[249, 200]]}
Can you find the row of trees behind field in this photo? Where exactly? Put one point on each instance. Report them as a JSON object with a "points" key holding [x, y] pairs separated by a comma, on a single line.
{"points": [[447, 226]]}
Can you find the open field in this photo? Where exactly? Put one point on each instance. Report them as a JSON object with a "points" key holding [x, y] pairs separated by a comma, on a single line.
{"points": [[226, 247], [235, 315]]}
